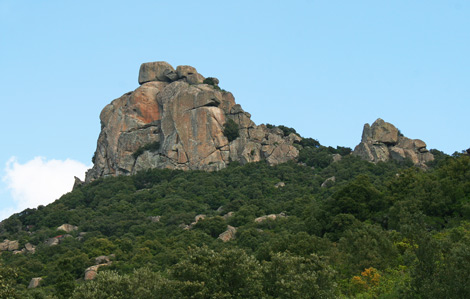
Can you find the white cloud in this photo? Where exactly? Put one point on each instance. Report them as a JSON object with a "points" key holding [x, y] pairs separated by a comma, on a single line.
{"points": [[39, 181]]}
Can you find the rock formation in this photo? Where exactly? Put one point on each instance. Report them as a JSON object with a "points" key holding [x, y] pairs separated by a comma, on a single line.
{"points": [[176, 119], [229, 234], [328, 182], [383, 142], [56, 240], [100, 261], [30, 248], [34, 282], [270, 216], [8, 245], [67, 227]]}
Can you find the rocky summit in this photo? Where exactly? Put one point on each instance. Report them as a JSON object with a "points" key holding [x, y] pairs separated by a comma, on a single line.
{"points": [[179, 119], [383, 142]]}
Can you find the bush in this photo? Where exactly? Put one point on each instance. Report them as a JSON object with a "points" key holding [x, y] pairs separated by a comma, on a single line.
{"points": [[210, 81], [309, 142], [286, 130], [231, 130], [152, 147]]}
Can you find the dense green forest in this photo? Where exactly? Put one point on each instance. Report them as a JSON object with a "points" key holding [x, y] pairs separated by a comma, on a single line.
{"points": [[383, 230]]}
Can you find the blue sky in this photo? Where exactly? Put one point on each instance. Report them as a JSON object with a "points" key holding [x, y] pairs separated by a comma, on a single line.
{"points": [[322, 67]]}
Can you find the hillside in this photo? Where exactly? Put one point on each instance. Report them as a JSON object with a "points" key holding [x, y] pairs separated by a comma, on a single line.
{"points": [[384, 229], [189, 198]]}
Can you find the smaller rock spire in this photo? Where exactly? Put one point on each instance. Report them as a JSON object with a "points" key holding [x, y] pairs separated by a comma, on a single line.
{"points": [[383, 142]]}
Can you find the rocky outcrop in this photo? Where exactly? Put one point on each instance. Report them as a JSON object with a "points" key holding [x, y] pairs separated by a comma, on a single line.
{"points": [[8, 245], [196, 220], [81, 235], [56, 240], [174, 120], [328, 182], [336, 157], [52, 241], [382, 142], [67, 228], [104, 259], [228, 215], [34, 282], [77, 182], [229, 234], [155, 218], [270, 216], [92, 271], [29, 248]]}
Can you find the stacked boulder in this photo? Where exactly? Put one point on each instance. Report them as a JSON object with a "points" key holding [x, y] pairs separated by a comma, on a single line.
{"points": [[176, 119], [383, 142]]}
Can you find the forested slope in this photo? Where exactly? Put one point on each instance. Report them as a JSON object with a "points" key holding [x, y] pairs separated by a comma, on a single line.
{"points": [[382, 230]]}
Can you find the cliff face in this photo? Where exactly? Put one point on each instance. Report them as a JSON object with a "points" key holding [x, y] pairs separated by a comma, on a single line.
{"points": [[174, 120], [383, 142]]}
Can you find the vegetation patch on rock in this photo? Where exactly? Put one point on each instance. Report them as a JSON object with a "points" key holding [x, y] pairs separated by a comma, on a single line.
{"points": [[231, 130], [152, 147]]}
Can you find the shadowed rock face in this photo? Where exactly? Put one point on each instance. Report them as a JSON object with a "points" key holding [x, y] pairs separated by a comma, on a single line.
{"points": [[382, 142], [186, 118]]}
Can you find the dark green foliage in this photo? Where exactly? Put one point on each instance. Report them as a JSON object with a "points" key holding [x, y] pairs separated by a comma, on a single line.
{"points": [[358, 198], [286, 130], [210, 81], [343, 151], [315, 155], [213, 82], [400, 133], [309, 142], [409, 225], [438, 157], [231, 130], [152, 147], [213, 226], [318, 157]]}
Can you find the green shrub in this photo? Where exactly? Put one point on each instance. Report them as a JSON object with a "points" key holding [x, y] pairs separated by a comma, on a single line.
{"points": [[231, 130], [286, 130], [309, 142], [213, 82], [152, 147], [210, 81]]}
